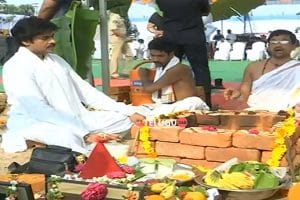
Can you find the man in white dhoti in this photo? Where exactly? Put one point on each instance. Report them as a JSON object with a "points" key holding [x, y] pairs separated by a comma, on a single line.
{"points": [[272, 84], [49, 100], [173, 88]]}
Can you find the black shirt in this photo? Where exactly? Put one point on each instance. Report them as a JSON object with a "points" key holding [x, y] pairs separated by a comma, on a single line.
{"points": [[182, 20]]}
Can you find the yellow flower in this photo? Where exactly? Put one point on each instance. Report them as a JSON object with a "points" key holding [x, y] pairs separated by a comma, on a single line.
{"points": [[146, 144], [287, 130], [123, 159]]}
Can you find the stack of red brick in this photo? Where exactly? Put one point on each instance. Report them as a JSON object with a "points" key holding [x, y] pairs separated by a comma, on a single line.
{"points": [[219, 137]]}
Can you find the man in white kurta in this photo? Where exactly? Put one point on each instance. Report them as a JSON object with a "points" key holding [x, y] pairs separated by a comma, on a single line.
{"points": [[48, 99], [272, 84]]}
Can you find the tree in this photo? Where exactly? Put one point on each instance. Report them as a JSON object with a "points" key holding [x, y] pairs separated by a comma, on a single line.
{"points": [[26, 9]]}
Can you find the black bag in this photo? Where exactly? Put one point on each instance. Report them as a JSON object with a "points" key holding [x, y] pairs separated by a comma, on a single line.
{"points": [[52, 160]]}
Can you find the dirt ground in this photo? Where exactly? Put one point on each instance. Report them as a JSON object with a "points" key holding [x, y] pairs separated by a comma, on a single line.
{"points": [[7, 158]]}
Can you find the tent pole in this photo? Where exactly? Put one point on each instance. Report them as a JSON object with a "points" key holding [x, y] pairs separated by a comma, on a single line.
{"points": [[104, 45]]}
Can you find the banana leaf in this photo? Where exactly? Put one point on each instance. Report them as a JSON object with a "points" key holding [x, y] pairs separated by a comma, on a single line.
{"points": [[74, 39]]}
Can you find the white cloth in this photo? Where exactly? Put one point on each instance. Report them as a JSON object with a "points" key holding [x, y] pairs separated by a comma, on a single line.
{"points": [[277, 89], [190, 103], [167, 93], [47, 97]]}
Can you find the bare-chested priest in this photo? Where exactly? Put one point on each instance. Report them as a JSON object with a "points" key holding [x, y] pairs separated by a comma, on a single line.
{"points": [[274, 83], [173, 88]]}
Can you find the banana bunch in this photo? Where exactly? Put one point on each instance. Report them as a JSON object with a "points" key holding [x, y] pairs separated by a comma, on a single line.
{"points": [[166, 190], [234, 180]]}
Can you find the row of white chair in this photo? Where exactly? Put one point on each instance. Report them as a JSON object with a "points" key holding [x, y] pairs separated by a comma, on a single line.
{"points": [[237, 51]]}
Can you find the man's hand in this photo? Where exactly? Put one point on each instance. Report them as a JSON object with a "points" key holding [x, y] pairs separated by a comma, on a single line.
{"points": [[158, 33], [135, 118], [230, 94]]}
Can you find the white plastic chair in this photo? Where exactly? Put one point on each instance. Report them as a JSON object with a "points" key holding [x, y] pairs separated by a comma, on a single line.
{"points": [[257, 52], [223, 52], [238, 51]]}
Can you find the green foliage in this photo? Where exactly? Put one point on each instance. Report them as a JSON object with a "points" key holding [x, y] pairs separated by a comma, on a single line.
{"points": [[266, 180], [252, 168], [222, 9], [75, 37], [263, 177], [26, 9]]}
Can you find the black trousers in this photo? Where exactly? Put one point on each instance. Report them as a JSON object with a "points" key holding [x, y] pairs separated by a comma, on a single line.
{"points": [[198, 59]]}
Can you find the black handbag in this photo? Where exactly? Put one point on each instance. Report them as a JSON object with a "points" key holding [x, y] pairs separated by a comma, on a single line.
{"points": [[52, 160]]}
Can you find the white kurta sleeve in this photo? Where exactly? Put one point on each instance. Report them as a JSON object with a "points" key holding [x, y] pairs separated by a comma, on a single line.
{"points": [[97, 99], [24, 91]]}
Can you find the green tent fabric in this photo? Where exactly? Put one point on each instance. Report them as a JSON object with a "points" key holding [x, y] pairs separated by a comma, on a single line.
{"points": [[224, 9], [74, 39]]}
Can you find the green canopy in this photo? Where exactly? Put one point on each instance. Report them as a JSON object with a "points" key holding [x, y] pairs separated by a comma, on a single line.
{"points": [[224, 9]]}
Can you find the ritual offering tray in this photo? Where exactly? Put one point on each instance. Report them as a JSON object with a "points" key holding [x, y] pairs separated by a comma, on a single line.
{"points": [[156, 168], [245, 180], [245, 194]]}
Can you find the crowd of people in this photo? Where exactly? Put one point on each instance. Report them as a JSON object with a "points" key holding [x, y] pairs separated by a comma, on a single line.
{"points": [[75, 114]]}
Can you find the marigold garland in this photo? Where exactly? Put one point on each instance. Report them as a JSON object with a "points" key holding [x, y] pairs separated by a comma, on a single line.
{"points": [[146, 144], [286, 130]]}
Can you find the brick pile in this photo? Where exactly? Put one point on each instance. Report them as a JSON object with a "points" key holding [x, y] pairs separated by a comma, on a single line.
{"points": [[232, 135]]}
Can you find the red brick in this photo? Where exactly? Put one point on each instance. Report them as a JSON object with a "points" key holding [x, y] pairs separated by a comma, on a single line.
{"points": [[224, 154], [203, 163], [179, 150], [296, 137], [243, 139], [208, 118], [296, 160], [134, 131], [139, 148], [267, 120], [298, 146], [261, 120], [199, 137], [167, 134]]}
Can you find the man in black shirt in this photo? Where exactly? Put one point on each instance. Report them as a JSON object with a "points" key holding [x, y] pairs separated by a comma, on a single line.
{"points": [[218, 37], [182, 24]]}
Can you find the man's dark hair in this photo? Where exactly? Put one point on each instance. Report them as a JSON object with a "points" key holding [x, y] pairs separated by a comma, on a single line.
{"points": [[283, 32], [162, 44], [28, 28]]}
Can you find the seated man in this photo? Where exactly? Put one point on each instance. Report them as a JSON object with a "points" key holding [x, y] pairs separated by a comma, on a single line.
{"points": [[272, 84], [173, 88], [49, 101]]}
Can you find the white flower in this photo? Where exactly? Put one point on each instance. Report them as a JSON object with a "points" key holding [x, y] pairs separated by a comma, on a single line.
{"points": [[13, 182]]}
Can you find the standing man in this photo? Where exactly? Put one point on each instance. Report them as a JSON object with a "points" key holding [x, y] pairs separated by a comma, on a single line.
{"points": [[118, 43], [218, 37], [183, 25], [230, 37]]}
